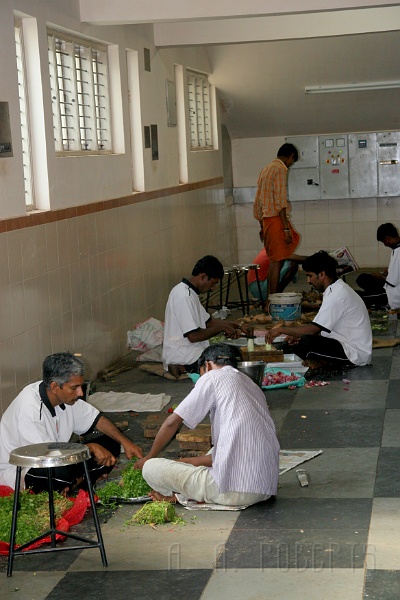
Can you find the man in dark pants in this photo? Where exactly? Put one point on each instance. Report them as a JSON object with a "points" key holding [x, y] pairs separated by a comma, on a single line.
{"points": [[341, 331], [50, 411], [382, 289], [188, 326]]}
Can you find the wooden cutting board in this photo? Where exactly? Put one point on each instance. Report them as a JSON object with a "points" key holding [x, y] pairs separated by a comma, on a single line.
{"points": [[385, 343]]}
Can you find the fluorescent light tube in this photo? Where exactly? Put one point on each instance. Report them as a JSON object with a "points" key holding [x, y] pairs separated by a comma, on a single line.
{"points": [[352, 87]]}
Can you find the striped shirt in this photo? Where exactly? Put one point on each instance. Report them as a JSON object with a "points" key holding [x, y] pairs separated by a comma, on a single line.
{"points": [[245, 450], [271, 194]]}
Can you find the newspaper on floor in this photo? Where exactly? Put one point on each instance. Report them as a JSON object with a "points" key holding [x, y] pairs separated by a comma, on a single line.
{"points": [[288, 459], [194, 505], [125, 401]]}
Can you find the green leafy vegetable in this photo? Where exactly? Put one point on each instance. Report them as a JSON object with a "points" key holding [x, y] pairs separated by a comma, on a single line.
{"points": [[155, 513], [132, 485], [33, 515]]}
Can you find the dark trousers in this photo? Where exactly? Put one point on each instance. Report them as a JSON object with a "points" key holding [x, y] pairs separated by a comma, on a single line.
{"points": [[318, 347], [373, 293], [63, 477]]}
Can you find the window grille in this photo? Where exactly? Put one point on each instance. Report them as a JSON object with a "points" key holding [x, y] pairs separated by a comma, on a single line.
{"points": [[199, 111], [80, 95], [24, 117]]}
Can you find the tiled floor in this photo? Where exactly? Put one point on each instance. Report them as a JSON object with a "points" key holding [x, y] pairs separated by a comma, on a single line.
{"points": [[336, 539]]}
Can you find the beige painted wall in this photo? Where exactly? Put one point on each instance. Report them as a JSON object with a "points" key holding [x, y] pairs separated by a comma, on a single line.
{"points": [[80, 284]]}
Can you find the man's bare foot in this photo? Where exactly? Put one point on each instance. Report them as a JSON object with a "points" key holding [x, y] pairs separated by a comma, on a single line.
{"points": [[176, 370], [315, 364], [157, 497]]}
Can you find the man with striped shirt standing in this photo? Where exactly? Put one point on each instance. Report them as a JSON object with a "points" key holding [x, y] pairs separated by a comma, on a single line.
{"points": [[242, 467]]}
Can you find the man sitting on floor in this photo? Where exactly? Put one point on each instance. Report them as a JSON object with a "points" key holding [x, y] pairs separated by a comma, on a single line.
{"points": [[188, 326], [341, 331], [50, 411], [243, 465]]}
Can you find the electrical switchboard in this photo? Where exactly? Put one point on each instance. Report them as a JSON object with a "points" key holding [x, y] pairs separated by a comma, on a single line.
{"points": [[389, 163], [334, 166], [303, 177], [362, 165]]}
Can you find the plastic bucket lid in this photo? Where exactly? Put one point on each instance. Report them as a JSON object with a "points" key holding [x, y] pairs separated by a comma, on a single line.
{"points": [[285, 298]]}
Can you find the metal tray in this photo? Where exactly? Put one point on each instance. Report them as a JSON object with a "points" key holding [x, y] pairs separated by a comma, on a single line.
{"points": [[136, 500]]}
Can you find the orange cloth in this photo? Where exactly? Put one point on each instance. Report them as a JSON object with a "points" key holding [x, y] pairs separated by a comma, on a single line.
{"points": [[262, 260], [271, 194], [274, 239]]}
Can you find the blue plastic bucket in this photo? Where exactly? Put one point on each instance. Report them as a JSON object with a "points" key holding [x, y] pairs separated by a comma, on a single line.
{"points": [[285, 306]]}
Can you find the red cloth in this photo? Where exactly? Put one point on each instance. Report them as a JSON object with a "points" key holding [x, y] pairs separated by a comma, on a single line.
{"points": [[274, 239], [71, 517]]}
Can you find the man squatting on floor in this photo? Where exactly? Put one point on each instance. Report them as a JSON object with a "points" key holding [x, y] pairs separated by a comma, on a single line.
{"points": [[340, 332], [50, 411], [242, 467]]}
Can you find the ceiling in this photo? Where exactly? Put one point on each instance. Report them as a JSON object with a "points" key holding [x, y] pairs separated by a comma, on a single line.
{"points": [[261, 61]]}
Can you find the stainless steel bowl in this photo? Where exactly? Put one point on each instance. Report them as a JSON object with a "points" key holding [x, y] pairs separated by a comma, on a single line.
{"points": [[254, 369]]}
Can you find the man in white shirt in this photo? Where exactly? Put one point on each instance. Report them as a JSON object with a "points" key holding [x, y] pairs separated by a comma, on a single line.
{"points": [[243, 465], [341, 331], [50, 411], [188, 326], [382, 289]]}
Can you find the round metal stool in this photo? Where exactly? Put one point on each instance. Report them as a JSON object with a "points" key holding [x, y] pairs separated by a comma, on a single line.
{"points": [[50, 455]]}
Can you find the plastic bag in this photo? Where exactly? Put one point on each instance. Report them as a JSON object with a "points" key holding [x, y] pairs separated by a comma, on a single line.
{"points": [[146, 335]]}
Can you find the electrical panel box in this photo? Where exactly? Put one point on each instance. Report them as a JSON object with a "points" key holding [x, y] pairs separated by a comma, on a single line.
{"points": [[334, 166], [308, 151], [303, 177], [388, 163], [303, 184], [5, 131], [363, 173]]}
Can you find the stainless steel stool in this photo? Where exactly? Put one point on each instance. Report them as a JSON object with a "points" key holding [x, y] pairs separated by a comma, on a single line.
{"points": [[50, 455], [237, 270], [245, 268]]}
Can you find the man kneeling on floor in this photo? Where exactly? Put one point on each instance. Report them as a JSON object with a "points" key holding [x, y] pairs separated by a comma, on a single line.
{"points": [[50, 411], [340, 333], [242, 467]]}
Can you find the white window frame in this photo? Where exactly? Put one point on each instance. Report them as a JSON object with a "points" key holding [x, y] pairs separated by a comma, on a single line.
{"points": [[200, 111], [24, 117], [80, 93]]}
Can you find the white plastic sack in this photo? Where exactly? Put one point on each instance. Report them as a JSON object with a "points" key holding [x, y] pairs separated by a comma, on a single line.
{"points": [[146, 335]]}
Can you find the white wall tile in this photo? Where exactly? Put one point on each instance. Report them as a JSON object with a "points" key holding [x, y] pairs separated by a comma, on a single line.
{"points": [[340, 211], [365, 209]]}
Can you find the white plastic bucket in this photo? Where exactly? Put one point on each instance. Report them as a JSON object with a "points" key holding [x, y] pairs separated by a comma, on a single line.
{"points": [[285, 306]]}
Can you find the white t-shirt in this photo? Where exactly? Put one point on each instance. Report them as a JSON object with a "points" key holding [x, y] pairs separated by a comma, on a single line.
{"points": [[183, 313], [29, 420], [245, 450], [392, 285], [343, 316]]}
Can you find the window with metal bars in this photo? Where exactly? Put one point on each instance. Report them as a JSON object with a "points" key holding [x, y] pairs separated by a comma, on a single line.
{"points": [[199, 97], [80, 95], [24, 117]]}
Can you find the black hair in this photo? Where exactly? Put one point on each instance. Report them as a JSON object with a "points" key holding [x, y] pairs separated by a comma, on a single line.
{"points": [[321, 261], [210, 265], [386, 230], [61, 367], [287, 150], [219, 354]]}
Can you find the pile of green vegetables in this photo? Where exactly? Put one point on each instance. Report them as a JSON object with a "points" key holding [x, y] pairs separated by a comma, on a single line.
{"points": [[131, 485], [155, 513], [33, 515]]}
